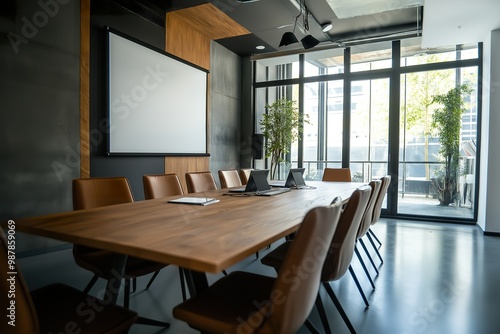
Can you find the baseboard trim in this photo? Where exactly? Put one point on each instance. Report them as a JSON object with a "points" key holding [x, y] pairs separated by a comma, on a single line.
{"points": [[491, 234]]}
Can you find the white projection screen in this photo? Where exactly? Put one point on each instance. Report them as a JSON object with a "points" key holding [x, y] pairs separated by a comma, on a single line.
{"points": [[157, 103]]}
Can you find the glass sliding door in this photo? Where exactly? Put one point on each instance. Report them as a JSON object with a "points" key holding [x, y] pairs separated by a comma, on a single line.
{"points": [[421, 166]]}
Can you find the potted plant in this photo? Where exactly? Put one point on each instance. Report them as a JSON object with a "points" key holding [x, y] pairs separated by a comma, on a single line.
{"points": [[281, 125], [446, 121]]}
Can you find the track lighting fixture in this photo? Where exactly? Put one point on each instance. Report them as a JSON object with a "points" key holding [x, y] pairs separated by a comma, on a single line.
{"points": [[308, 41]]}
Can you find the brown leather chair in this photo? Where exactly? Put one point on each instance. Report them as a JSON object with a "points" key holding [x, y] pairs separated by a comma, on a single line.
{"points": [[377, 210], [229, 178], [91, 193], [53, 308], [337, 174], [245, 175], [200, 181], [244, 302], [340, 253], [159, 186], [363, 229]]}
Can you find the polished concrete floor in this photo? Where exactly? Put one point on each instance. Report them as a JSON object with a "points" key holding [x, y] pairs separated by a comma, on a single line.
{"points": [[436, 278]]}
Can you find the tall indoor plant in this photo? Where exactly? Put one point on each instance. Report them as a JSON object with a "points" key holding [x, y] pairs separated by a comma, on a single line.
{"points": [[447, 122], [281, 125]]}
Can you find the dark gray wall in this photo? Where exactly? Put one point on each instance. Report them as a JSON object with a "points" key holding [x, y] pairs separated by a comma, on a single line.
{"points": [[225, 109], [39, 116], [247, 115]]}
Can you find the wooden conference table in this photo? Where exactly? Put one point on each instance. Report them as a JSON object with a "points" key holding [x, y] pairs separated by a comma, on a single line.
{"points": [[197, 238]]}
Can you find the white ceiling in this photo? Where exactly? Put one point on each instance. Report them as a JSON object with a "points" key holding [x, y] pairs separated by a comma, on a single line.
{"points": [[452, 22]]}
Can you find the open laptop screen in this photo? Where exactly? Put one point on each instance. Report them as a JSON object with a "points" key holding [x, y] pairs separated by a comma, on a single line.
{"points": [[295, 178], [257, 181]]}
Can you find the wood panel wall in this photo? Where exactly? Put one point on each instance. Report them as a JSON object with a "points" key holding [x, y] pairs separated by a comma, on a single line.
{"points": [[188, 35], [85, 88]]}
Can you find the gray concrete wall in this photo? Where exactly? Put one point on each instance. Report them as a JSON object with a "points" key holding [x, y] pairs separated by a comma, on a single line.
{"points": [[225, 109]]}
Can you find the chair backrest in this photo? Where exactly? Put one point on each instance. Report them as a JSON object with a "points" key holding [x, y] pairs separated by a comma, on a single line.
{"points": [[245, 175], [337, 174], [14, 289], [386, 181], [296, 287], [95, 192], [229, 178], [366, 221], [342, 244], [162, 185], [200, 181], [100, 191]]}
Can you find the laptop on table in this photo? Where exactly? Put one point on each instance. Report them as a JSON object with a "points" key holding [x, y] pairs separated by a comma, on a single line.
{"points": [[257, 184], [294, 179]]}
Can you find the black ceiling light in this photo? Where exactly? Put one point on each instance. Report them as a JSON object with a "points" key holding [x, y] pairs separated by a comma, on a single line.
{"points": [[308, 41], [288, 37]]}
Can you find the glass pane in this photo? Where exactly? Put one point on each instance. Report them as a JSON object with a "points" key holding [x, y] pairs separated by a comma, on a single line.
{"points": [[322, 145], [277, 68], [324, 62], [422, 166], [334, 123], [413, 54], [369, 129], [371, 56], [264, 97], [310, 134]]}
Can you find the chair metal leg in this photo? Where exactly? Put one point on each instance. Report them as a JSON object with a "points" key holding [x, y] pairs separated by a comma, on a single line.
{"points": [[369, 256], [339, 307], [90, 284], [224, 272], [311, 327], [134, 284], [257, 254], [375, 247], [322, 314], [152, 279], [152, 322], [364, 266], [183, 284], [359, 286], [373, 234], [126, 294]]}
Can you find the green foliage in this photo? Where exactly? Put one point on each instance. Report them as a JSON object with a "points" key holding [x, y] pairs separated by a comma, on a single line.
{"points": [[281, 125], [447, 121]]}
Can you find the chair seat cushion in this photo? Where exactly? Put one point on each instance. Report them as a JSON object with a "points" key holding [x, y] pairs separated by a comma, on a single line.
{"points": [[63, 309], [226, 305], [100, 262], [276, 257]]}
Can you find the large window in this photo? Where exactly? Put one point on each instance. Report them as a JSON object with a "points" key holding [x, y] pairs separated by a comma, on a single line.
{"points": [[370, 108], [369, 129]]}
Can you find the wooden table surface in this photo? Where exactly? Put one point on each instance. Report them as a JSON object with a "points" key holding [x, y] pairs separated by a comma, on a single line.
{"points": [[201, 238]]}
